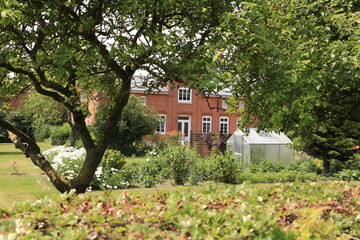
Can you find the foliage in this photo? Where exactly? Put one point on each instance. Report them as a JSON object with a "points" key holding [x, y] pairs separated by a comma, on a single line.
{"points": [[223, 167], [211, 140], [176, 162], [161, 141], [135, 123], [66, 50], [42, 132], [348, 174], [282, 176], [352, 164], [266, 166], [323, 210], [60, 134], [296, 66], [21, 120], [44, 110], [109, 175], [304, 165]]}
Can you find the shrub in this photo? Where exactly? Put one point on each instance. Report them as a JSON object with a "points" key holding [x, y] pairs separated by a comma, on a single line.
{"points": [[266, 166], [351, 164], [42, 132], [60, 134], [348, 174], [109, 175], [176, 162], [162, 141], [305, 165], [136, 122], [151, 171], [20, 120], [223, 167], [282, 176]]}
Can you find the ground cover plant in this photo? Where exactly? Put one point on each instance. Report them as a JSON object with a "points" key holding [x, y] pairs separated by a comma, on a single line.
{"points": [[299, 210]]}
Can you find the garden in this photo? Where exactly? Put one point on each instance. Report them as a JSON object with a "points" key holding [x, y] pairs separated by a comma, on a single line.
{"points": [[291, 66], [172, 193]]}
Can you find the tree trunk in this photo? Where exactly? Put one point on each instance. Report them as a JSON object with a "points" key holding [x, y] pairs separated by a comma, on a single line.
{"points": [[87, 172], [74, 135], [60, 183], [326, 167]]}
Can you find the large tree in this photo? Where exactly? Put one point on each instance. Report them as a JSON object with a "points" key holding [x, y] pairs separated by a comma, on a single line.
{"points": [[296, 63], [66, 50]]}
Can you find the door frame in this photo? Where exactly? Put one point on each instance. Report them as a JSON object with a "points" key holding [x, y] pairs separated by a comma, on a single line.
{"points": [[183, 121]]}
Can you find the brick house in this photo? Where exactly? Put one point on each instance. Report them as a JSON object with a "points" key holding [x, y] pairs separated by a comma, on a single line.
{"points": [[189, 112]]}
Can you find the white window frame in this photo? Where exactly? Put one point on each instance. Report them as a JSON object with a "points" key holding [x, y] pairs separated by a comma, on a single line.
{"points": [[224, 121], [224, 104], [143, 100], [188, 98], [238, 122], [206, 120], [241, 104], [162, 124]]}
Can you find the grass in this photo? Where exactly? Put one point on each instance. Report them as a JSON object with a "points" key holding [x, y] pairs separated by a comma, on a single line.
{"points": [[31, 184]]}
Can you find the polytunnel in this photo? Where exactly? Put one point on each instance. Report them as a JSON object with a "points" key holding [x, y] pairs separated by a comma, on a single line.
{"points": [[255, 147]]}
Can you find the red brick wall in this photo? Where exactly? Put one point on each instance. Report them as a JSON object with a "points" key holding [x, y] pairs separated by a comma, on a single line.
{"points": [[168, 105]]}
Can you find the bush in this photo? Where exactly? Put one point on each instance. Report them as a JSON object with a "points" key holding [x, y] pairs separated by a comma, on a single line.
{"points": [[309, 165], [348, 174], [224, 167], [266, 166], [42, 132], [20, 120], [162, 141], [282, 176], [60, 134], [176, 162], [136, 122], [109, 175], [272, 211], [351, 164]]}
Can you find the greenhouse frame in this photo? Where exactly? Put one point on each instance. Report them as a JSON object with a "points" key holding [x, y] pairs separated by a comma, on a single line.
{"points": [[255, 147]]}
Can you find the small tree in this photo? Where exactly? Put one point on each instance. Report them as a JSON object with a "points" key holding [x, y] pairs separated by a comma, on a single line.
{"points": [[45, 110], [136, 122]]}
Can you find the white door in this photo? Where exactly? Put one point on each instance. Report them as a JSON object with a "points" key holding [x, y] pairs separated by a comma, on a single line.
{"points": [[184, 127]]}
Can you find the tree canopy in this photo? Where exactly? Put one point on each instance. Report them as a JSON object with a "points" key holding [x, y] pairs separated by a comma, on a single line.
{"points": [[294, 62], [66, 50], [296, 65]]}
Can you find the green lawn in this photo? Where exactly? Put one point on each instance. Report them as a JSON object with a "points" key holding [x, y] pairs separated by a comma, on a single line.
{"points": [[32, 184]]}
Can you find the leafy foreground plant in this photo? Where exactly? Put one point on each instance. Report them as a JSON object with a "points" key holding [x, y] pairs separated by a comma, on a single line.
{"points": [[323, 210]]}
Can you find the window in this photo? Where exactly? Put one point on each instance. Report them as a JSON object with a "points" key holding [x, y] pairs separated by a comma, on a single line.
{"points": [[224, 104], [162, 124], [224, 125], [143, 100], [241, 105], [238, 123], [206, 124], [184, 95]]}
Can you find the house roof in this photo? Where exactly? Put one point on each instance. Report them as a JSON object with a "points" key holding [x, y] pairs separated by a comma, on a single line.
{"points": [[137, 86]]}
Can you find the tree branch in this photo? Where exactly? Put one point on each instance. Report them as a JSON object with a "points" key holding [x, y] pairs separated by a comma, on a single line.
{"points": [[32, 151]]}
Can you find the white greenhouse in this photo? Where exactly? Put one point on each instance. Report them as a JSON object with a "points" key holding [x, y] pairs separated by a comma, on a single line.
{"points": [[258, 146]]}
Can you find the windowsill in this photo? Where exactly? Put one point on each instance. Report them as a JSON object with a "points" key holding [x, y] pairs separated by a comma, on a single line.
{"points": [[185, 102]]}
